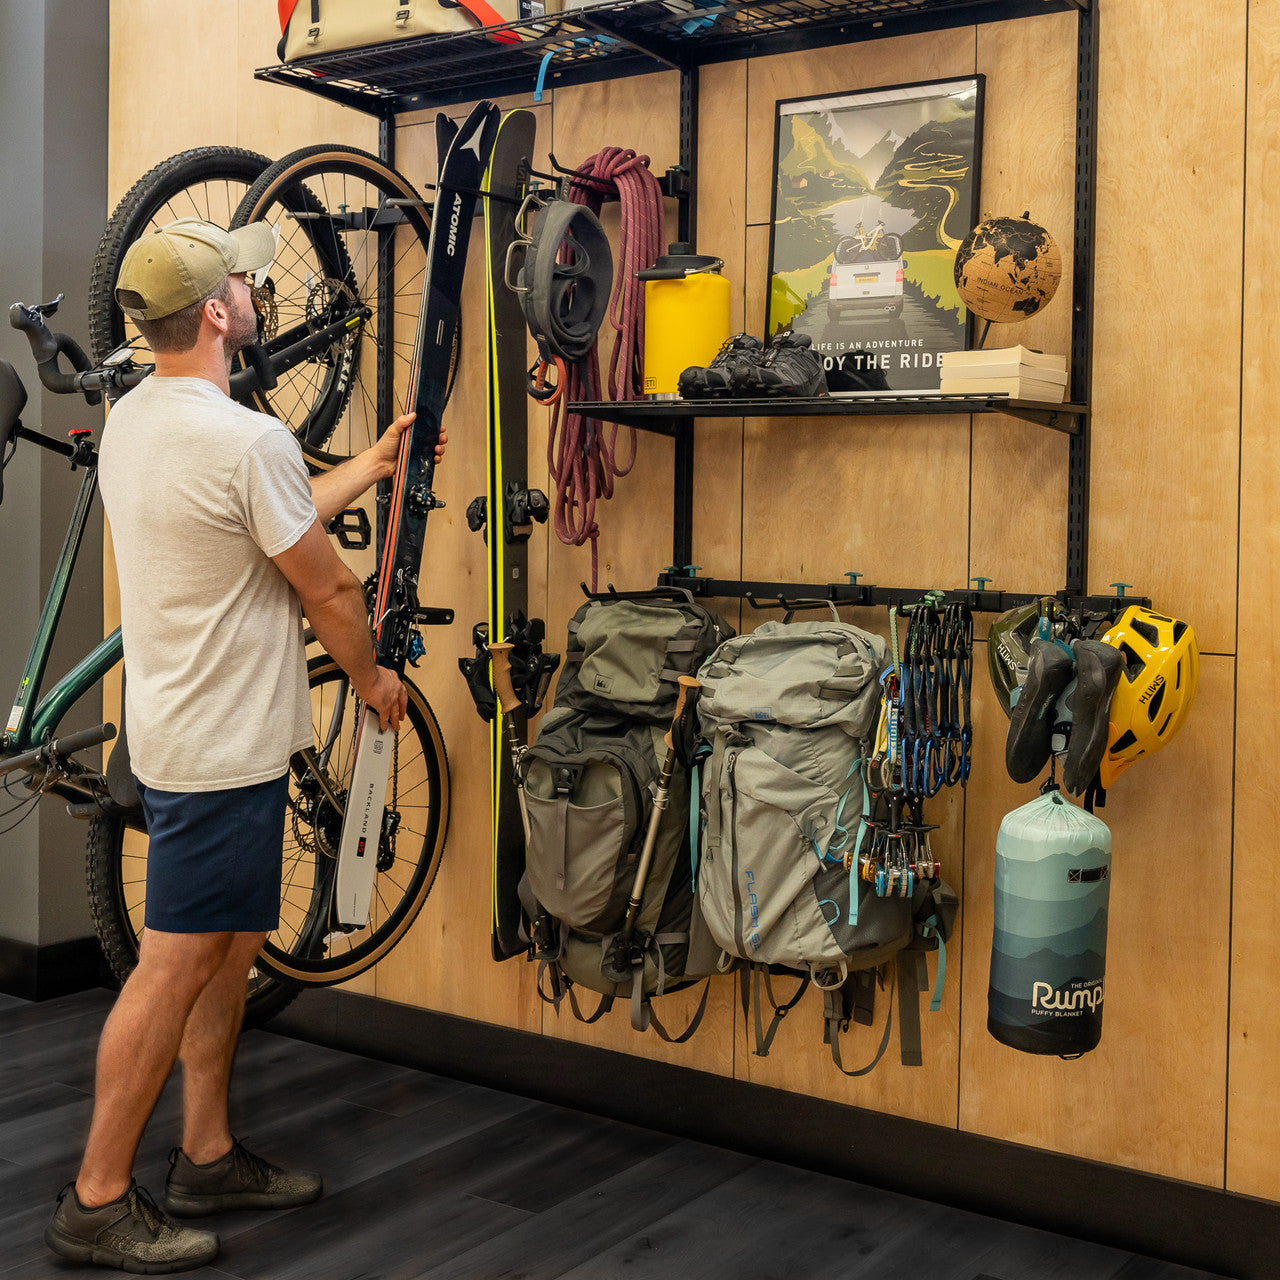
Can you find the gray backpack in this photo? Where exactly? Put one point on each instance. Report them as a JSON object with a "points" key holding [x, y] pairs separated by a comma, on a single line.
{"points": [[589, 784], [787, 714]]}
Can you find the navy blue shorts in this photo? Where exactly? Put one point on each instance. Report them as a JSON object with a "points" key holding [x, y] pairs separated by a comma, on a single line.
{"points": [[213, 859]]}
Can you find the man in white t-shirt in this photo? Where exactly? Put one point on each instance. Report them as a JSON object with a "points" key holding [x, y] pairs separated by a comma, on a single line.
{"points": [[220, 548]]}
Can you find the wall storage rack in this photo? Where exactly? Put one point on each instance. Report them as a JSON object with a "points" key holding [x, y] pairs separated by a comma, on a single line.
{"points": [[612, 40]]}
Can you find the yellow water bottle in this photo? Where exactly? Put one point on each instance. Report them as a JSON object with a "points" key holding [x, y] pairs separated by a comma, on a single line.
{"points": [[686, 316]]}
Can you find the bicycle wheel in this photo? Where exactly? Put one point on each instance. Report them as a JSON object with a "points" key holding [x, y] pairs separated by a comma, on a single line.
{"points": [[306, 948], [117, 880], [207, 182], [344, 250]]}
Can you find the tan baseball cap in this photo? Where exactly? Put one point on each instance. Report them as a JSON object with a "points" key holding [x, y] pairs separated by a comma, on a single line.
{"points": [[185, 261]]}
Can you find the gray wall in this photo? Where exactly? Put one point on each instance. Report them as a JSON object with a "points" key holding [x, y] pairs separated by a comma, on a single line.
{"points": [[53, 183]]}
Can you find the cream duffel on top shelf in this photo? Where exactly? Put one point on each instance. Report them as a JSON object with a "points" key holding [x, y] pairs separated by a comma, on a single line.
{"points": [[323, 26]]}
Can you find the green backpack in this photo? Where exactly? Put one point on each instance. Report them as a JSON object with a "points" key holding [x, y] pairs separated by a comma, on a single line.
{"points": [[589, 783]]}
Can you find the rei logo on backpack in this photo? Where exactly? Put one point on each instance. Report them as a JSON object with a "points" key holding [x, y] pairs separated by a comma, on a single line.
{"points": [[590, 782], [787, 712]]}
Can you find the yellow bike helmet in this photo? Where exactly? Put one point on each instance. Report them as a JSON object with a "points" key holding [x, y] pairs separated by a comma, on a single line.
{"points": [[1156, 689]]}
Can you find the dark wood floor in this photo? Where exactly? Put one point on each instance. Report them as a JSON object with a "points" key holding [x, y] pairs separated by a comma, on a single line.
{"points": [[434, 1178]]}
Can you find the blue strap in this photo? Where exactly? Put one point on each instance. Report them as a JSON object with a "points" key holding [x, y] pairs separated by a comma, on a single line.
{"points": [[597, 38], [697, 24], [930, 930]]}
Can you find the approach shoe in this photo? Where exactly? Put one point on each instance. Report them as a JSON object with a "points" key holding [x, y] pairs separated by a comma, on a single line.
{"points": [[1028, 746], [789, 367], [1098, 668], [238, 1180], [130, 1234], [716, 379]]}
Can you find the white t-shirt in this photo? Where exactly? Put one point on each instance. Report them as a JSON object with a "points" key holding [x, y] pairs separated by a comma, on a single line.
{"points": [[200, 493]]}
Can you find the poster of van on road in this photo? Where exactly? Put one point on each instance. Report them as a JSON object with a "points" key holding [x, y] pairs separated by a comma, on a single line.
{"points": [[873, 194]]}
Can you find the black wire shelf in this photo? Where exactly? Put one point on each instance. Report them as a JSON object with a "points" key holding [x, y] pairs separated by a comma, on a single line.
{"points": [[610, 40], [662, 416]]}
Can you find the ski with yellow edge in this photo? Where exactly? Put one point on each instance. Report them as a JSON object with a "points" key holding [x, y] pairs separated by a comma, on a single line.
{"points": [[507, 513]]}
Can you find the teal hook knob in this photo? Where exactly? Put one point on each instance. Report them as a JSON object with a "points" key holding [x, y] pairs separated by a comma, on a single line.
{"points": [[1120, 588], [692, 570], [982, 582]]}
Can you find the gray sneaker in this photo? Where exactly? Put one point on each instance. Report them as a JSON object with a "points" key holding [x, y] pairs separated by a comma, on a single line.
{"points": [[129, 1233], [238, 1180]]}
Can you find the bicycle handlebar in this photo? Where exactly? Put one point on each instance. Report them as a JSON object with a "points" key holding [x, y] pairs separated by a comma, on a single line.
{"points": [[48, 347]]}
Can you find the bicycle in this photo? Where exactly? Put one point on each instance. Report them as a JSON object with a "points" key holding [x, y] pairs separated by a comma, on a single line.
{"points": [[329, 310]]}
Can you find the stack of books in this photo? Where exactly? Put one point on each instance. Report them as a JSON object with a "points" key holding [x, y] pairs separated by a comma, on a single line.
{"points": [[1018, 372]]}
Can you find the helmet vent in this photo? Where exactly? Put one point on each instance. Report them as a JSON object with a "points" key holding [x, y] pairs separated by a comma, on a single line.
{"points": [[1178, 629], [1154, 709], [1164, 725], [1132, 661], [1146, 631], [1123, 742]]}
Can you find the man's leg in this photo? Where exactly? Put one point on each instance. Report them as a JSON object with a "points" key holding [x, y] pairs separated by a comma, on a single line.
{"points": [[137, 1051], [208, 1046]]}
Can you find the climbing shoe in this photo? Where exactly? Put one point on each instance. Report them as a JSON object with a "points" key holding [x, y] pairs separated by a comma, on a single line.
{"points": [[1028, 746], [789, 367], [238, 1180], [716, 379], [130, 1234], [1098, 668]]}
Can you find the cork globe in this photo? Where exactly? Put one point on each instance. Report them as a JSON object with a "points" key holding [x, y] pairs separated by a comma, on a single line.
{"points": [[1007, 269]]}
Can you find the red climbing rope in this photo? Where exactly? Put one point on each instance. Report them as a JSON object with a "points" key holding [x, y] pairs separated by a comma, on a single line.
{"points": [[582, 453]]}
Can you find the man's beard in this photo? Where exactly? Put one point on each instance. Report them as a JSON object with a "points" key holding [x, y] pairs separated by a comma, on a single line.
{"points": [[244, 331]]}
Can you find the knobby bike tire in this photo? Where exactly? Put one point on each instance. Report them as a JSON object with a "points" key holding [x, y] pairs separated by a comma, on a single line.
{"points": [[116, 872], [117, 928], [204, 182], [346, 182], [302, 949]]}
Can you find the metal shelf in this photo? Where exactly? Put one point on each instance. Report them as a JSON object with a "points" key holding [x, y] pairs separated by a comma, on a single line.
{"points": [[665, 416], [607, 41]]}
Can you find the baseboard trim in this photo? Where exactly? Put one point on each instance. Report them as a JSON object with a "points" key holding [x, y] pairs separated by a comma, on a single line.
{"points": [[33, 972], [1164, 1218]]}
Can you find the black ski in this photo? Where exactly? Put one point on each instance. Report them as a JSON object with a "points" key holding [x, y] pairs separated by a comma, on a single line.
{"points": [[507, 512], [396, 609]]}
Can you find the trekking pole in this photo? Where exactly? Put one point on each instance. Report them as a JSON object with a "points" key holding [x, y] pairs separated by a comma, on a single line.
{"points": [[685, 703], [508, 705]]}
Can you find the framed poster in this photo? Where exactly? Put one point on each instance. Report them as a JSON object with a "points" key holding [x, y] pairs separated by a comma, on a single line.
{"points": [[873, 193]]}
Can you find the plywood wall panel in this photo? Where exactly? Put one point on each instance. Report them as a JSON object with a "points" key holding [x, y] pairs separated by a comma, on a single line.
{"points": [[1166, 376], [1152, 1096], [1019, 527], [1028, 151], [171, 67], [1253, 1116]]}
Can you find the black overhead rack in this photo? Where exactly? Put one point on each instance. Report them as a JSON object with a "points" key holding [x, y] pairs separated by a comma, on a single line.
{"points": [[613, 40], [609, 41]]}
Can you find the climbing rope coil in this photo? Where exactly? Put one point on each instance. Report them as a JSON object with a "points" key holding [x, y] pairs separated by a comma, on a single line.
{"points": [[584, 454]]}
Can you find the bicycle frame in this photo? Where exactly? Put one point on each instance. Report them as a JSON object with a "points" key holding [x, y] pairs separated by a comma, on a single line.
{"points": [[32, 723]]}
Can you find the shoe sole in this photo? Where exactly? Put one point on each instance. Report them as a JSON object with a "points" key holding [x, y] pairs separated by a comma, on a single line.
{"points": [[69, 1247], [1029, 744], [1089, 703], [180, 1206]]}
